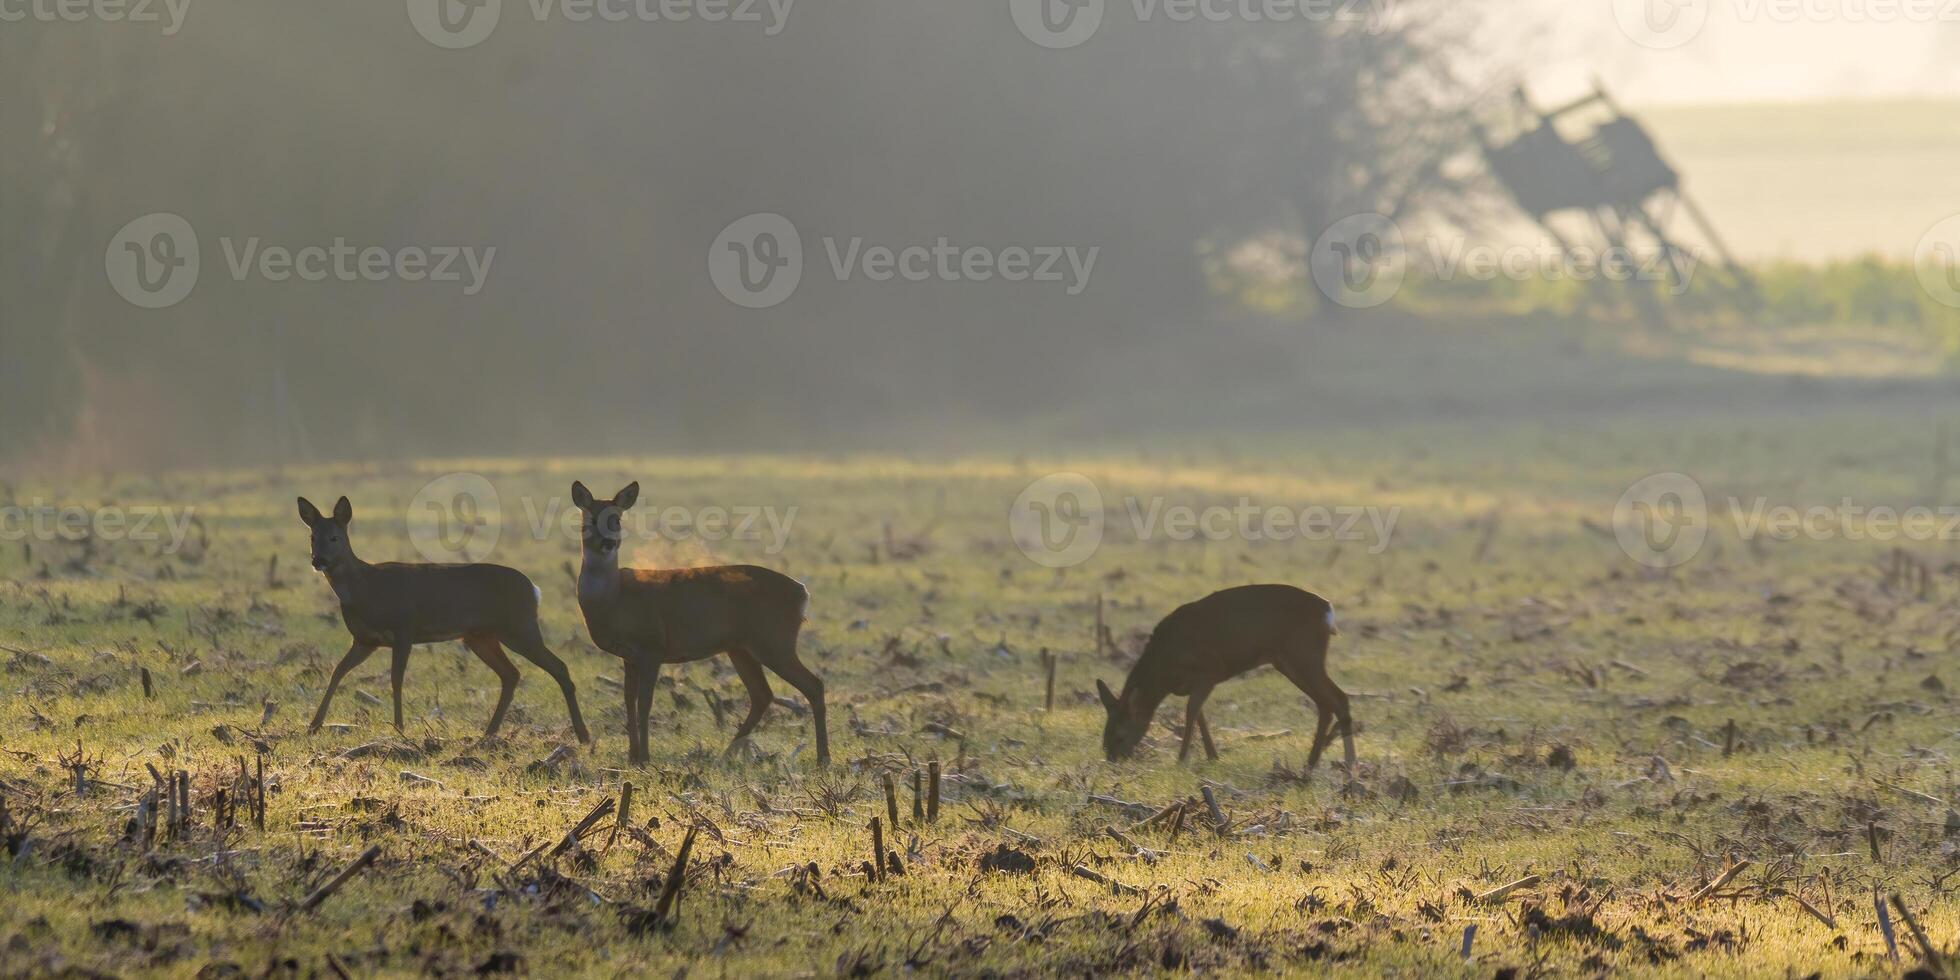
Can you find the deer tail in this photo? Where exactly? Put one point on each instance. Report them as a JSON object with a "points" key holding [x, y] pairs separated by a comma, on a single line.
{"points": [[1332, 630]]}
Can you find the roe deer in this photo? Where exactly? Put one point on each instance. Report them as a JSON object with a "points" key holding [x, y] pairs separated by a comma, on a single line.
{"points": [[1203, 643], [399, 605], [671, 616]]}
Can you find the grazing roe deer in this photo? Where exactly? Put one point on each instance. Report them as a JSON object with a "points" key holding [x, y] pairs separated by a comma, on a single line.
{"points": [[399, 605], [1221, 636], [650, 617]]}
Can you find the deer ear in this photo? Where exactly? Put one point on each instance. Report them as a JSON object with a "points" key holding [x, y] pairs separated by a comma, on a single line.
{"points": [[1109, 701], [343, 511], [581, 496], [309, 513], [628, 496]]}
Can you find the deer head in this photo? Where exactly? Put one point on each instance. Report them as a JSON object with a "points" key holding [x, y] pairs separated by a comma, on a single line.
{"points": [[1124, 727], [601, 527], [331, 547]]}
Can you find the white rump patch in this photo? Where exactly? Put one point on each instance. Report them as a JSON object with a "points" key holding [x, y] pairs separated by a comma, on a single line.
{"points": [[1331, 628], [540, 594]]}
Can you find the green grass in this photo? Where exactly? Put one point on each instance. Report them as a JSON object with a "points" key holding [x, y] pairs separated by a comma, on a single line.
{"points": [[1867, 301], [1499, 632], [1868, 292]]}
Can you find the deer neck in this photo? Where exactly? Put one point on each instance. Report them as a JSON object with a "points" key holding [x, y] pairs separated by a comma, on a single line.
{"points": [[598, 579], [346, 575], [1148, 684], [1141, 698]]}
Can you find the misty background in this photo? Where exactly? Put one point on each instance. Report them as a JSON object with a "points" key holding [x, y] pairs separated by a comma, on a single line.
{"points": [[601, 160]]}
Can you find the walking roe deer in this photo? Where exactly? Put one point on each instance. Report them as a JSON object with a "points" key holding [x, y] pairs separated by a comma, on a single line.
{"points": [[649, 617], [398, 605], [1203, 643]]}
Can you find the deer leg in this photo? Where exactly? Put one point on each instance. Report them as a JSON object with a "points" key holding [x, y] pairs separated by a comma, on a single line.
{"points": [[398, 669], [1347, 724], [1336, 702], [1204, 731], [649, 673], [1330, 695], [528, 643], [1194, 707], [488, 650], [1323, 733], [780, 656], [631, 685], [356, 655], [760, 698], [1323, 726]]}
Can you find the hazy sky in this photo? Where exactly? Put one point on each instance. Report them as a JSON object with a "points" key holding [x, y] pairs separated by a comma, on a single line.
{"points": [[1748, 50]]}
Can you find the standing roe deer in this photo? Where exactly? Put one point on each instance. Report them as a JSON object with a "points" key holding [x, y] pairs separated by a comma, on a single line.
{"points": [[399, 605], [650, 617], [1221, 636]]}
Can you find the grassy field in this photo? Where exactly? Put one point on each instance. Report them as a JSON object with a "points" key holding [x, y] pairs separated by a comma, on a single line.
{"points": [[1530, 702]]}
